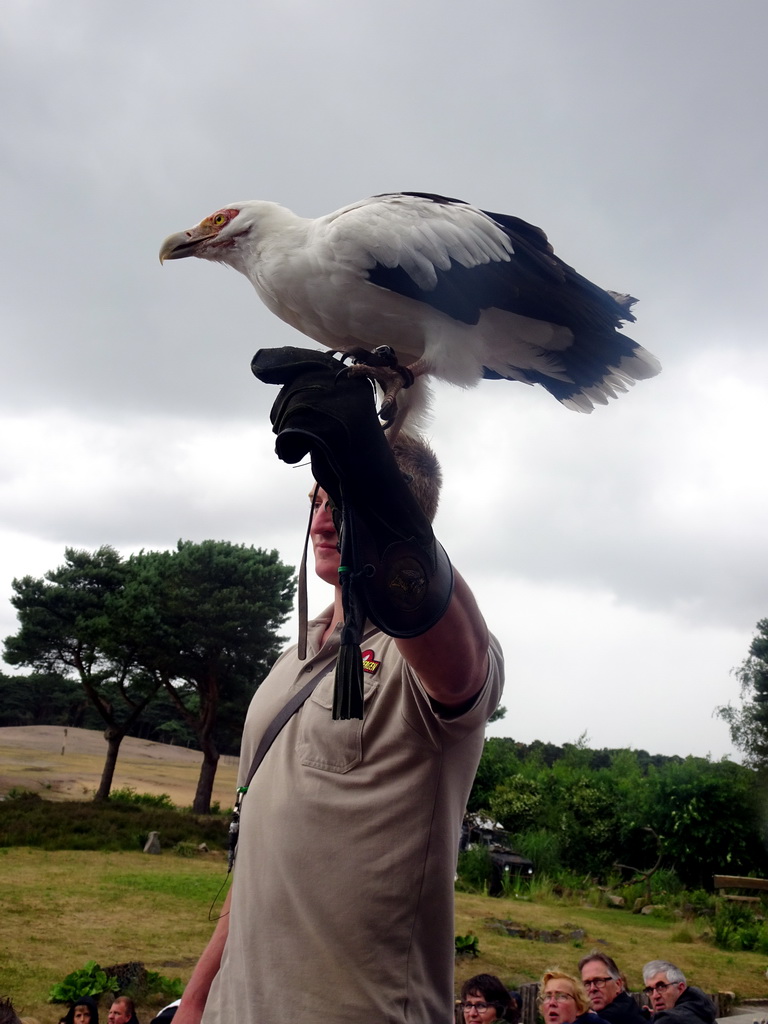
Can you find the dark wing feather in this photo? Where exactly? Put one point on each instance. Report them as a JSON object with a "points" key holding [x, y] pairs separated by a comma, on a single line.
{"points": [[533, 283]]}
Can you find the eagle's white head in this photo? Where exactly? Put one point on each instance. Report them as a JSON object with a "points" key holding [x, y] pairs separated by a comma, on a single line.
{"points": [[234, 235]]}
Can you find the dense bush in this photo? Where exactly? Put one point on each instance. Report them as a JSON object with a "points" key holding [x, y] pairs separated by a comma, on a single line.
{"points": [[584, 811], [30, 821], [474, 870], [128, 795], [737, 928]]}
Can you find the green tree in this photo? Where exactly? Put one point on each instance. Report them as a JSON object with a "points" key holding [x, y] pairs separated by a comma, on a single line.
{"points": [[516, 803], [202, 621], [48, 698], [65, 626], [498, 762], [707, 815], [748, 724], [199, 622]]}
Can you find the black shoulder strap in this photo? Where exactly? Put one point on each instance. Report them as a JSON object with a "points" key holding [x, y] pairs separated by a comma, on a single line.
{"points": [[285, 713], [280, 719], [270, 734]]}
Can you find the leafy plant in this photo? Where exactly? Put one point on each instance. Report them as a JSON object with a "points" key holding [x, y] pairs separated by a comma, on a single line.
{"points": [[171, 988], [467, 945], [128, 795], [736, 928], [89, 980], [186, 849], [474, 869], [542, 846]]}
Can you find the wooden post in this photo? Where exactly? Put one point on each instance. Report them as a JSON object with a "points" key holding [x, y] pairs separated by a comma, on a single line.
{"points": [[529, 1010]]}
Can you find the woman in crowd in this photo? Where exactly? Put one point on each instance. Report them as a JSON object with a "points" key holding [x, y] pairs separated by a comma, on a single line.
{"points": [[563, 1000], [483, 999], [83, 1011]]}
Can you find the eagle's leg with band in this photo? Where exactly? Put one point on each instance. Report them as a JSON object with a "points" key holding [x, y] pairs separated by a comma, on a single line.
{"points": [[382, 366], [396, 572]]}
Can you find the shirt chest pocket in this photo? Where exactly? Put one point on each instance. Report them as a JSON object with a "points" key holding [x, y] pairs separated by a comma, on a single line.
{"points": [[331, 746]]}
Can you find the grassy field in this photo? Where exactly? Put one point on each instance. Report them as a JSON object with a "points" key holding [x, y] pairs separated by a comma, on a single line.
{"points": [[61, 909], [630, 939]]}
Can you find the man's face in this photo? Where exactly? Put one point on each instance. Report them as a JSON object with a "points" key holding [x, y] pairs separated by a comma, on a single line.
{"points": [[662, 994], [324, 540], [601, 988], [118, 1014]]}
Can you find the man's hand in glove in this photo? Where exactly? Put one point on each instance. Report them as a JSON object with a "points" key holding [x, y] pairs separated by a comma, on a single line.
{"points": [[401, 573]]}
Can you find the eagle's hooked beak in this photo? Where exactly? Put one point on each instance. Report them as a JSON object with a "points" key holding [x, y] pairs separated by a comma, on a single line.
{"points": [[186, 243]]}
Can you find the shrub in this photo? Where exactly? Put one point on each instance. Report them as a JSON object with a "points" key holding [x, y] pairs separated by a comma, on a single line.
{"points": [[736, 928], [70, 825], [134, 979], [541, 846], [171, 988], [89, 980], [185, 849], [467, 945], [699, 902], [128, 795], [474, 869]]}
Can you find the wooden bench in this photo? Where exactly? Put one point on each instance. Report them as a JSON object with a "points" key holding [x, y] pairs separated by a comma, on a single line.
{"points": [[724, 882]]}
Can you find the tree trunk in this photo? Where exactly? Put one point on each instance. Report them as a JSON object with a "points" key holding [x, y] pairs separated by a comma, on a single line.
{"points": [[114, 738], [202, 801]]}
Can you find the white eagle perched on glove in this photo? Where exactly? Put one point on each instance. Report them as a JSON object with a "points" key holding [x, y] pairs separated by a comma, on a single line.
{"points": [[440, 288]]}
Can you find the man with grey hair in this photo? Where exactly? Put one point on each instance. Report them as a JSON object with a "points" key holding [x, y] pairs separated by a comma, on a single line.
{"points": [[674, 1001], [604, 983]]}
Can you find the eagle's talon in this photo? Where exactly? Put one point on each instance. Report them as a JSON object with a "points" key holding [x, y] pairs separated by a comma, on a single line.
{"points": [[388, 411]]}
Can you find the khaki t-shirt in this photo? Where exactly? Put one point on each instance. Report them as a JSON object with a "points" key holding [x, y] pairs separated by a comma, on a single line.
{"points": [[342, 901]]}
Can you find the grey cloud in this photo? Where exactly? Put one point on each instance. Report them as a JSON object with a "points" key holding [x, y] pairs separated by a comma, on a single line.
{"points": [[636, 143]]}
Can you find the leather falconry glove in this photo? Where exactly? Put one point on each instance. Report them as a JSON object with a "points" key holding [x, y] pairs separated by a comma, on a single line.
{"points": [[392, 570]]}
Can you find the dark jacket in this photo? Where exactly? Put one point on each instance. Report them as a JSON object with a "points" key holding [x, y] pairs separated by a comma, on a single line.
{"points": [[623, 1010], [590, 1017], [692, 1007]]}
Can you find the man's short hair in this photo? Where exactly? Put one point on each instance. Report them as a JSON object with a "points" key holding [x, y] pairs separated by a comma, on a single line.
{"points": [[673, 974], [608, 962], [421, 469]]}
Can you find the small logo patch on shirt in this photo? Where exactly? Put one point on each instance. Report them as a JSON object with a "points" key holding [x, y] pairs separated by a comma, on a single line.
{"points": [[370, 665]]}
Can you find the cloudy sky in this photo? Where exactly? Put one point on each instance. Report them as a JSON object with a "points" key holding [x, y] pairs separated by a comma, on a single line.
{"points": [[620, 557]]}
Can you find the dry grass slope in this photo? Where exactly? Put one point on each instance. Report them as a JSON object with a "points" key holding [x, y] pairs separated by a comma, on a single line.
{"points": [[67, 764]]}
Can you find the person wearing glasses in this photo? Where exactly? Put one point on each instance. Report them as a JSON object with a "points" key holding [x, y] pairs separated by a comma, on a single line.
{"points": [[485, 998], [604, 984], [563, 1000], [673, 1000]]}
